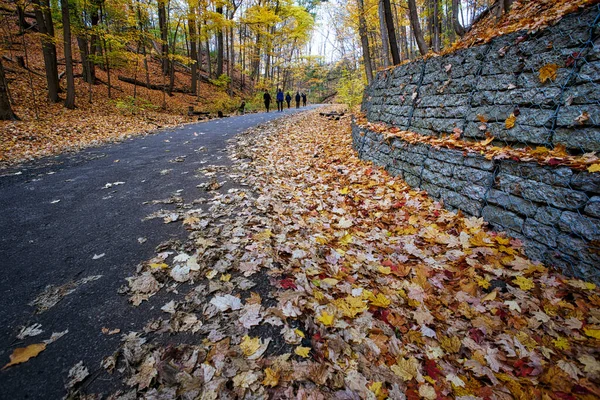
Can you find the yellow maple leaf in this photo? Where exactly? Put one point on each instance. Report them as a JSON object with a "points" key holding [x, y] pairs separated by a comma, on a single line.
{"points": [[350, 306], [548, 71], [299, 332], [377, 389], [249, 345], [406, 369], [594, 168], [591, 332], [271, 377], [212, 273], [385, 270], [345, 190], [561, 343], [23, 354], [524, 283], [159, 266], [302, 351], [380, 301], [510, 121], [325, 318], [483, 283], [225, 277], [346, 239], [490, 297], [450, 344]]}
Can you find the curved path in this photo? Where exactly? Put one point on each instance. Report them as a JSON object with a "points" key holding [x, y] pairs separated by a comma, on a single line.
{"points": [[63, 219]]}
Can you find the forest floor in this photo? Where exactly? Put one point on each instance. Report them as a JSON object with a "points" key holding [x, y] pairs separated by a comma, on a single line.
{"points": [[308, 273], [46, 128]]}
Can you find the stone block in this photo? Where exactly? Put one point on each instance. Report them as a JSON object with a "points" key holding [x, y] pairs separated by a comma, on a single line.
{"points": [[545, 234], [568, 115], [473, 176], [446, 155], [555, 176], [512, 203], [432, 190], [547, 215], [589, 182], [585, 139], [541, 193], [593, 207], [412, 180], [479, 162], [474, 192], [468, 206], [580, 225], [503, 218], [437, 166]]}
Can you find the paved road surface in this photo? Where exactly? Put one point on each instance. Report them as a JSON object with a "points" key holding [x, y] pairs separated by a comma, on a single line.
{"points": [[56, 215]]}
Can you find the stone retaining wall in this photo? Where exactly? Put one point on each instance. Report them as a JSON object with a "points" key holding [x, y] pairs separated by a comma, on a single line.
{"points": [[555, 211], [489, 82]]}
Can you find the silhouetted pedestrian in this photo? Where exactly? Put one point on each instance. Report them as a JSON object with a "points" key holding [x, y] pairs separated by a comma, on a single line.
{"points": [[304, 99], [288, 98], [267, 98], [279, 100], [297, 99]]}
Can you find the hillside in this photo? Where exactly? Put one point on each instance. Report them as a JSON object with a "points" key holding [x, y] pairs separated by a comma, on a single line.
{"points": [[46, 128]]}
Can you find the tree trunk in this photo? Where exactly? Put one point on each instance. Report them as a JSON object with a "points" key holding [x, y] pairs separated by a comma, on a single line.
{"points": [[84, 53], [389, 20], [66, 20], [364, 40], [458, 28], [193, 34], [164, 36], [416, 27], [208, 61], [43, 16], [6, 112], [219, 45], [437, 40], [385, 44], [23, 24]]}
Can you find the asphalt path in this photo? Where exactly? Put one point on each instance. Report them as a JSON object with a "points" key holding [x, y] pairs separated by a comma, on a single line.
{"points": [[67, 218]]}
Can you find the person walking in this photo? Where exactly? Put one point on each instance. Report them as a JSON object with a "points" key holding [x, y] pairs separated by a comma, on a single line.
{"points": [[303, 99], [297, 99], [279, 99], [267, 99], [288, 99]]}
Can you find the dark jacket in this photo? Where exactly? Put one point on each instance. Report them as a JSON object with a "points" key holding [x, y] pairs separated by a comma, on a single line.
{"points": [[288, 98], [297, 97], [267, 97], [279, 96]]}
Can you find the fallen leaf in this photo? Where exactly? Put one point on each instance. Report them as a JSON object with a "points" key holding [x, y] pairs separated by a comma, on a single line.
{"points": [[21, 355], [548, 71], [302, 351], [510, 121]]}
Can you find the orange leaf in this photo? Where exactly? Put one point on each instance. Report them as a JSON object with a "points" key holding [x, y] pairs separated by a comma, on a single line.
{"points": [[548, 71], [23, 354], [510, 121]]}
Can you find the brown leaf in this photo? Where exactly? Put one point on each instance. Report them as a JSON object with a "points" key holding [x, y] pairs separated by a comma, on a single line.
{"points": [[23, 354]]}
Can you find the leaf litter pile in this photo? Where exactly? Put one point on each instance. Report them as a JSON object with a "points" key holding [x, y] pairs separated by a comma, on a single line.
{"points": [[323, 277]]}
